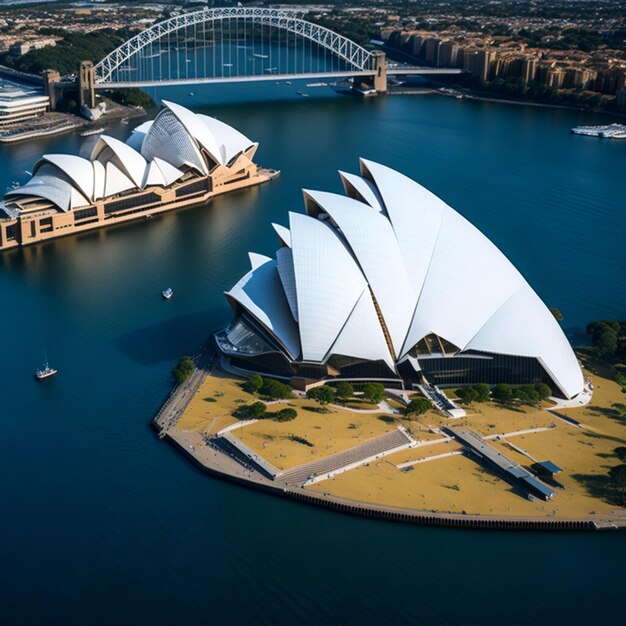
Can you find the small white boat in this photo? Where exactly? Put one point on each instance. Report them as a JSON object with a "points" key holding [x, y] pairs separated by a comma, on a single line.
{"points": [[92, 131], [167, 293], [191, 93], [228, 64], [45, 372], [256, 55], [124, 121]]}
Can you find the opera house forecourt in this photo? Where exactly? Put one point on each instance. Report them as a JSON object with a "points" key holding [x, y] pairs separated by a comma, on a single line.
{"points": [[388, 283], [178, 159]]}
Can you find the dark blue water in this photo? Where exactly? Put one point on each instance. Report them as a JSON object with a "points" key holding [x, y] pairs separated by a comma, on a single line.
{"points": [[102, 523]]}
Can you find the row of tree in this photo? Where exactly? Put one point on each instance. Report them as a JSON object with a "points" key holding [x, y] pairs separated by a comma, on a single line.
{"points": [[258, 410], [506, 394]]}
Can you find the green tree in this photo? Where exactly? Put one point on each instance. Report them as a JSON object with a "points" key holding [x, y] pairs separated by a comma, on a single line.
{"points": [[417, 406], [502, 393], [323, 395], [617, 475], [253, 384], [286, 415], [374, 393], [467, 395], [344, 390], [183, 369], [253, 411], [526, 394], [482, 392], [543, 390], [275, 390]]}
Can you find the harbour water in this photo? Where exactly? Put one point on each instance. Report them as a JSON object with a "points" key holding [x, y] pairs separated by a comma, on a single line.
{"points": [[102, 523]]}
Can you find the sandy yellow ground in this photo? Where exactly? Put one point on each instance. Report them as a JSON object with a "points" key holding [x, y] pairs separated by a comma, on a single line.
{"points": [[459, 484], [211, 408], [328, 432]]}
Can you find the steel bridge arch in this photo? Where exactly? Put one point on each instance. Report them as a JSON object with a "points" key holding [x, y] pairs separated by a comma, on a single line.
{"points": [[357, 57]]}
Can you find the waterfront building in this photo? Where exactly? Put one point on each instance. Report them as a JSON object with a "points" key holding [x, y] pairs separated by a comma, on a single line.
{"points": [[19, 104], [179, 159], [20, 48], [389, 283]]}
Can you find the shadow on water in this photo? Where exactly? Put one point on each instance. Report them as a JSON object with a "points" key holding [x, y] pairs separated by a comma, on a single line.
{"points": [[171, 338]]}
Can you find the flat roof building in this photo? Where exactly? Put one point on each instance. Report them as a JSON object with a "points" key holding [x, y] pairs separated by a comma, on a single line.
{"points": [[19, 104]]}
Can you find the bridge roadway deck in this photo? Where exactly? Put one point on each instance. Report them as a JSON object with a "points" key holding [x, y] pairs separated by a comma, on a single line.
{"points": [[221, 465], [392, 71]]}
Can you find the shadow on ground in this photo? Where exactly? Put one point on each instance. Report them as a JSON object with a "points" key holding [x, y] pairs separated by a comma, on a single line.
{"points": [[598, 486]]}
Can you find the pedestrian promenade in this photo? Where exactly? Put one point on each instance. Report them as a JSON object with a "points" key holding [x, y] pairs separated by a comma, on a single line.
{"points": [[341, 461]]}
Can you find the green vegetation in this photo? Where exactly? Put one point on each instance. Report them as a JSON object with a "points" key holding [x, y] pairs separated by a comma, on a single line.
{"points": [[253, 411], [275, 390], [286, 415], [502, 393], [69, 52], [608, 338], [183, 370], [344, 391], [474, 393], [558, 316], [131, 98], [374, 393], [417, 406], [322, 395], [253, 384], [617, 475], [530, 395]]}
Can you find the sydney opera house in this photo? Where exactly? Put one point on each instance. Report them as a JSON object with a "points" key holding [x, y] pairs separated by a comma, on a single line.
{"points": [[178, 159], [389, 283]]}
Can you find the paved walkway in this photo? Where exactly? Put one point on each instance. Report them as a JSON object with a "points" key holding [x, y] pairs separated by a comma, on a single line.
{"points": [[347, 459]]}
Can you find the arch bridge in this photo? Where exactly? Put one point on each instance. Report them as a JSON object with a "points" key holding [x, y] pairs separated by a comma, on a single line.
{"points": [[239, 44]]}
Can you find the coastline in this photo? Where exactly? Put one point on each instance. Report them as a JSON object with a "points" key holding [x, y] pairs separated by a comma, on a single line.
{"points": [[215, 462], [485, 97]]}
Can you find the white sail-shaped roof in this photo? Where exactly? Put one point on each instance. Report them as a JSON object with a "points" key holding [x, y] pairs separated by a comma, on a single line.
{"points": [[369, 276], [230, 141], [283, 234], [373, 242], [287, 274], [159, 153], [365, 190], [137, 136], [78, 169], [116, 180], [128, 159], [362, 335], [170, 173], [260, 293], [329, 284], [197, 129], [153, 176], [99, 180], [170, 140]]}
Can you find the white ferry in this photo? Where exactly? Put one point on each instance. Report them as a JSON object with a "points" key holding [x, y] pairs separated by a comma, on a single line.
{"points": [[611, 131]]}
